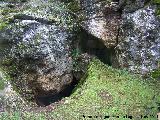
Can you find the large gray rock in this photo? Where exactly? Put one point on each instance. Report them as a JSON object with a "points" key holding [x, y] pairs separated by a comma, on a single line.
{"points": [[39, 55], [101, 19], [139, 47]]}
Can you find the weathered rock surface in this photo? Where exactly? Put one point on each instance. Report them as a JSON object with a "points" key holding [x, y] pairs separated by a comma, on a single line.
{"points": [[139, 47], [101, 19], [9, 99], [39, 57], [128, 6]]}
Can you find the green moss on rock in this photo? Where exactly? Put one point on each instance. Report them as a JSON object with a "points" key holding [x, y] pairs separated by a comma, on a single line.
{"points": [[6, 14], [2, 84], [2, 25], [157, 2], [73, 5], [158, 12], [2, 80], [105, 91], [156, 73], [108, 91]]}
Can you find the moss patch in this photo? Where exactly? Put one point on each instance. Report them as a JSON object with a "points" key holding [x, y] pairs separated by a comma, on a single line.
{"points": [[6, 14], [156, 73], [2, 85], [2, 24], [2, 82], [106, 92], [157, 2], [110, 92]]}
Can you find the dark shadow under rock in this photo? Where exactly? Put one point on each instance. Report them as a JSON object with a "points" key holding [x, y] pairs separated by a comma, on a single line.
{"points": [[95, 47], [47, 100]]}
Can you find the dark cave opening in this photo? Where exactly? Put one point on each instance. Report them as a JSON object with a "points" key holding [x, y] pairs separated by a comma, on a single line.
{"points": [[94, 46], [47, 100]]}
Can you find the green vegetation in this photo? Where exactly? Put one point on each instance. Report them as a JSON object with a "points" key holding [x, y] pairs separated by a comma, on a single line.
{"points": [[156, 73], [2, 84], [6, 14], [158, 12], [105, 91], [19, 116], [75, 56], [2, 24], [6, 116], [8, 66], [73, 5], [157, 2]]}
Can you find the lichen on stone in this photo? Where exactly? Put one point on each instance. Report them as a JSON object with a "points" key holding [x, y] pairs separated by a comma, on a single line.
{"points": [[139, 44]]}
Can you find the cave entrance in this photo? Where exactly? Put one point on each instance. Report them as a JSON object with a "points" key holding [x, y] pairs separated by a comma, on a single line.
{"points": [[47, 100], [94, 46]]}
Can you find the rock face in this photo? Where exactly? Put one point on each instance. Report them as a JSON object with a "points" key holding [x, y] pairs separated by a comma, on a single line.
{"points": [[139, 47], [9, 99], [131, 27], [128, 6], [101, 20], [39, 56]]}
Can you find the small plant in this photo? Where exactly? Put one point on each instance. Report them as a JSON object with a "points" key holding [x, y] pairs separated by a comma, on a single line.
{"points": [[156, 73], [157, 2], [2, 24], [2, 84], [75, 55]]}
